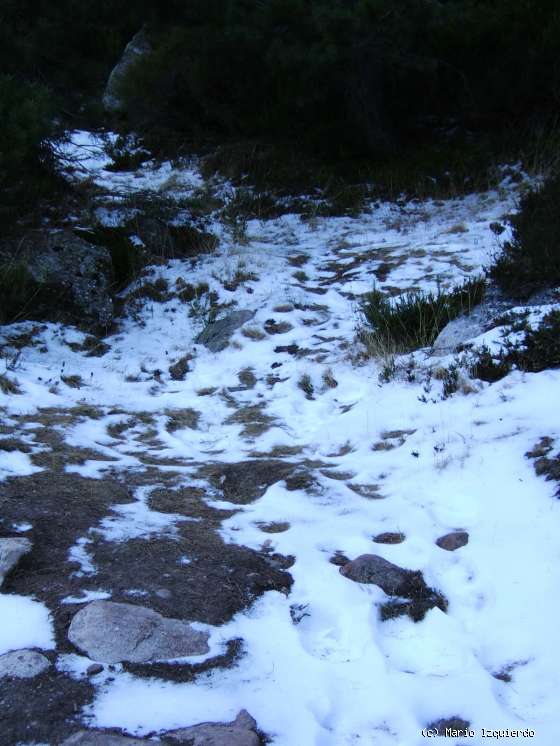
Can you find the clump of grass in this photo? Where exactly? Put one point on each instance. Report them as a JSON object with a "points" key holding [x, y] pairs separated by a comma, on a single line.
{"points": [[253, 332], [306, 385], [126, 154], [181, 419], [156, 291], [9, 385], [73, 381], [415, 319], [531, 260], [329, 380]]}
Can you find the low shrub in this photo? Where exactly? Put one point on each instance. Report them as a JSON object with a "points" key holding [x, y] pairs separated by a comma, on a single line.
{"points": [[415, 319], [25, 154], [538, 350], [17, 290], [531, 260]]}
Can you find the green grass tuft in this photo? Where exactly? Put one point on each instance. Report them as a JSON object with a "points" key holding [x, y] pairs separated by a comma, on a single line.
{"points": [[415, 319]]}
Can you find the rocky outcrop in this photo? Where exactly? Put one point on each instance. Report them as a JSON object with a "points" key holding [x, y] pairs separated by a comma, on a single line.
{"points": [[137, 48], [114, 632], [240, 732], [216, 335], [12, 549], [22, 664], [66, 278]]}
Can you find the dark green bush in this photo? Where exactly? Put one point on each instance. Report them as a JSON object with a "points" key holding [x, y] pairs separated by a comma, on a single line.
{"points": [[414, 320], [531, 260], [538, 350], [360, 76], [18, 290], [25, 154]]}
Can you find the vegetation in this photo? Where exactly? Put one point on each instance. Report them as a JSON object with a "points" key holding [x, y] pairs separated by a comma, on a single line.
{"points": [[415, 319], [531, 260], [360, 77], [537, 350], [25, 155]]}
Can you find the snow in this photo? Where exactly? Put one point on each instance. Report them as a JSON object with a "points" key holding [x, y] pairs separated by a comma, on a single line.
{"points": [[340, 676], [25, 624]]}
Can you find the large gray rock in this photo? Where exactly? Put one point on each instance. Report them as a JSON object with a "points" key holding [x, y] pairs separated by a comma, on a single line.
{"points": [[23, 664], [138, 47], [371, 568], [12, 550], [68, 277], [457, 332], [101, 738], [216, 335], [112, 632], [240, 732]]}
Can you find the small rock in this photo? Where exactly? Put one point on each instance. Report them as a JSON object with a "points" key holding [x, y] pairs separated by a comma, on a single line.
{"points": [[12, 549], [292, 349], [23, 664], [371, 568], [217, 334], [94, 669], [240, 732], [454, 540], [339, 559], [454, 727], [389, 538], [113, 632]]}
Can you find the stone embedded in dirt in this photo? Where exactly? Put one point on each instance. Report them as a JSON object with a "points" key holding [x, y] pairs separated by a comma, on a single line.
{"points": [[454, 727], [23, 664], [389, 537], [12, 549], [240, 732], [292, 349], [454, 540], [371, 568], [113, 632], [274, 527], [216, 335], [94, 669], [395, 581], [101, 738]]}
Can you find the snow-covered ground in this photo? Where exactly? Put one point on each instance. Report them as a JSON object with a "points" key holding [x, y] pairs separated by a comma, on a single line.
{"points": [[334, 674]]}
